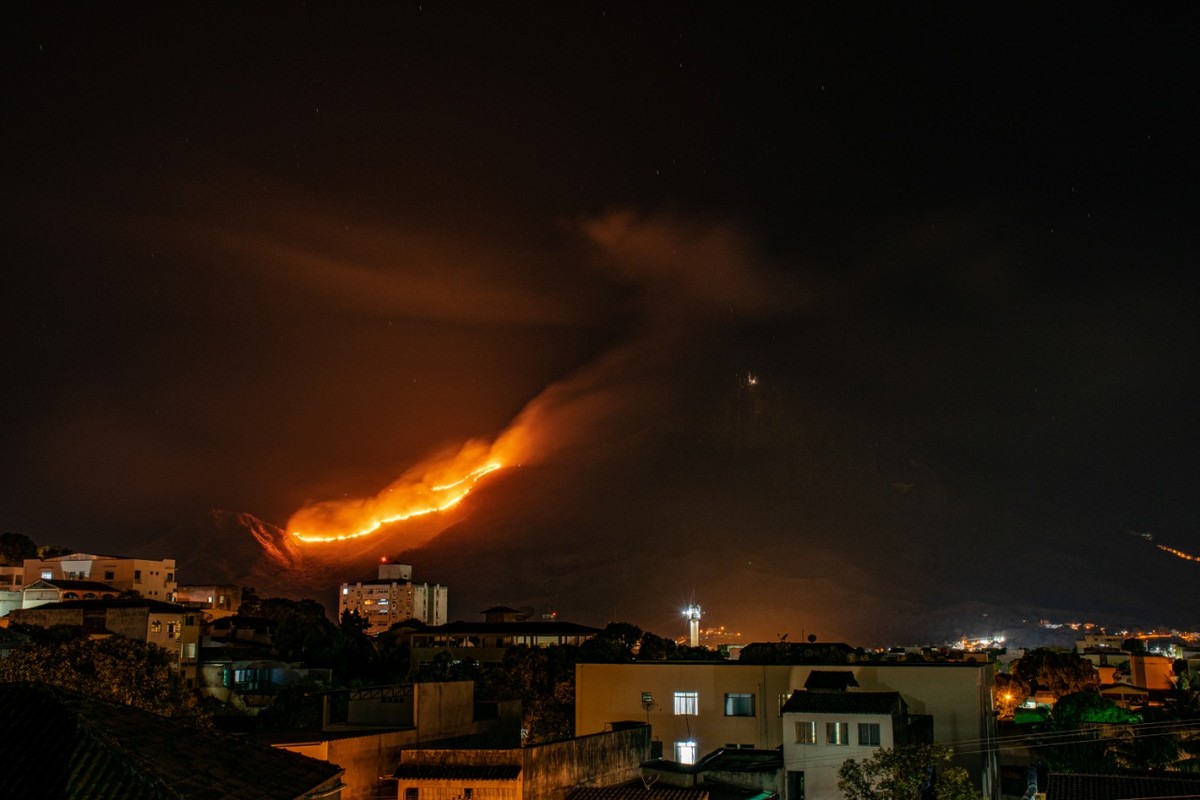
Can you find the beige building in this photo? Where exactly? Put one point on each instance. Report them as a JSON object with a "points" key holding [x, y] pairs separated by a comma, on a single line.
{"points": [[216, 600], [174, 628], [695, 708], [392, 598], [383, 721], [149, 578]]}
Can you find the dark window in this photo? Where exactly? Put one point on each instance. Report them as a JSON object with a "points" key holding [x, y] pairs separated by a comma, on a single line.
{"points": [[837, 733], [411, 793], [868, 733], [739, 704], [109, 575], [137, 576]]}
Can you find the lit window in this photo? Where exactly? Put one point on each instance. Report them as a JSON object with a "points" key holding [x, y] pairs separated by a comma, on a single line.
{"points": [[47, 574], [783, 698], [806, 731], [346, 590], [687, 703], [837, 733], [156, 626], [685, 752], [868, 734], [739, 704]]}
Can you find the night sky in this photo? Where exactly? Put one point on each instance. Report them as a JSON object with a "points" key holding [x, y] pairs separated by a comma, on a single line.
{"points": [[261, 256]]}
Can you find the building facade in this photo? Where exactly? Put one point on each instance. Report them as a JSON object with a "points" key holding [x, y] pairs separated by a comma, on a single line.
{"points": [[392, 598], [697, 707], [821, 730], [149, 578]]}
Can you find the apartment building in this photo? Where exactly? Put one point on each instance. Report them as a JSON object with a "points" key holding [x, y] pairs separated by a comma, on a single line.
{"points": [[393, 597]]}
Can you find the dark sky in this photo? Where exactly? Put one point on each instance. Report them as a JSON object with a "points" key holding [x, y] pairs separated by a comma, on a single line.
{"points": [[260, 256]]}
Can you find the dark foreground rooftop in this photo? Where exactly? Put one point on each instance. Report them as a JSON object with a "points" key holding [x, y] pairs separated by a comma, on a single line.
{"points": [[60, 744]]}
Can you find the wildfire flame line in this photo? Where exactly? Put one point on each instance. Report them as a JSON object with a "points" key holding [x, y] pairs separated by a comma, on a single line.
{"points": [[1179, 553], [459, 489]]}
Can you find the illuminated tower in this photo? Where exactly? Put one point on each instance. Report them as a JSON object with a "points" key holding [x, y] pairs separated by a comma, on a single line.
{"points": [[692, 613]]}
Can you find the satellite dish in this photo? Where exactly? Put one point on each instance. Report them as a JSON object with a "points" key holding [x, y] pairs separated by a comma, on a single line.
{"points": [[524, 613]]}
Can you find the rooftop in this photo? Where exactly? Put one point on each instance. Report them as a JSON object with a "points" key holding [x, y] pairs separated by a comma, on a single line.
{"points": [[805, 702], [62, 744]]}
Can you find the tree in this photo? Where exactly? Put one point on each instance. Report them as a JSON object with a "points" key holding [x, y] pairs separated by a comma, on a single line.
{"points": [[116, 669], [15, 548], [613, 645], [1008, 694], [653, 647], [543, 679], [1060, 674], [906, 773]]}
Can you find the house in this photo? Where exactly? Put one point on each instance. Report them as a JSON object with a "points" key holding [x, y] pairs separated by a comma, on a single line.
{"points": [[487, 641], [695, 708], [174, 628], [214, 600], [150, 578], [382, 721], [822, 728], [393, 597], [62, 744]]}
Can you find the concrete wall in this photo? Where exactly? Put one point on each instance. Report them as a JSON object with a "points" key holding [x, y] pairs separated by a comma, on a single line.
{"points": [[605, 759]]}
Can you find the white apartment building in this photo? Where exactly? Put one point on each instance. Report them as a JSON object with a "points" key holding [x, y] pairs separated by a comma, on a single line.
{"points": [[392, 598], [149, 578]]}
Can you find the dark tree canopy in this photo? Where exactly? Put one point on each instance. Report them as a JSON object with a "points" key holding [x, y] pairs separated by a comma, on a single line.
{"points": [[905, 773], [121, 670], [1060, 674], [15, 548]]}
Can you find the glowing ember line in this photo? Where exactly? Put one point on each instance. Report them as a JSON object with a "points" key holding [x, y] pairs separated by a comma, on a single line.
{"points": [[1180, 553], [472, 477]]}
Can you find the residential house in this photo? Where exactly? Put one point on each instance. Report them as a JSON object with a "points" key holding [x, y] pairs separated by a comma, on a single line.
{"points": [[214, 600], [150, 578], [488, 641], [822, 728], [382, 721]]}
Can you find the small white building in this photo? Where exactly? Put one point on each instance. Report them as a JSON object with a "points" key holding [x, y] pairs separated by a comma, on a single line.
{"points": [[822, 729], [393, 597]]}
